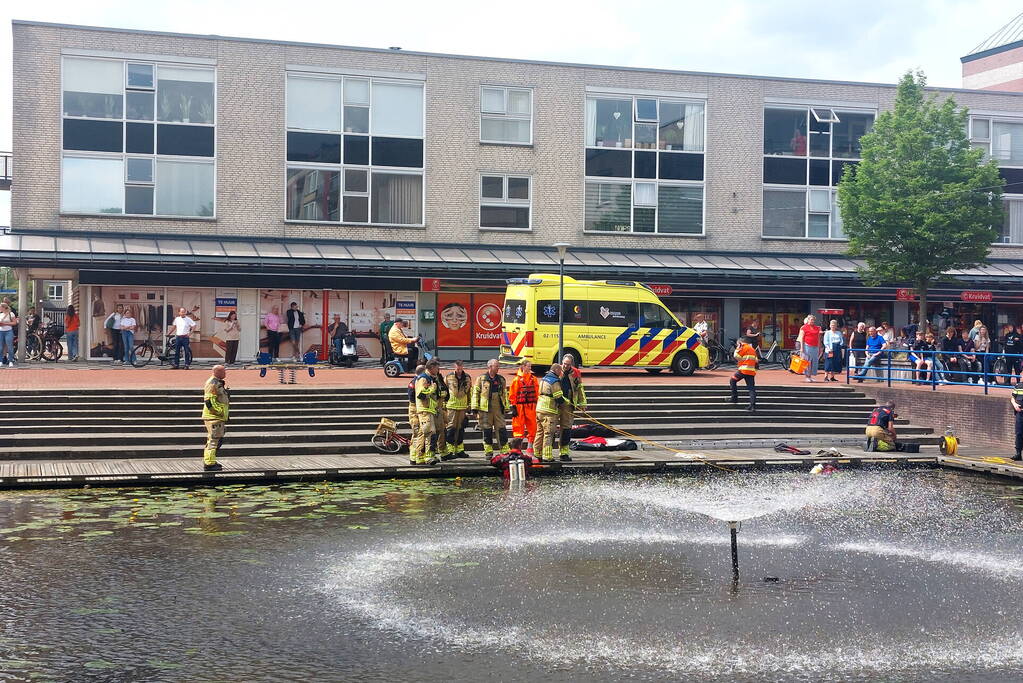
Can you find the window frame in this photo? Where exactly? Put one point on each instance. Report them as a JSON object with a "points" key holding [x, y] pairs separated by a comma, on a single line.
{"points": [[672, 99], [656, 206], [341, 167], [505, 200], [807, 212], [124, 120], [1004, 241], [506, 115], [54, 286], [989, 141]]}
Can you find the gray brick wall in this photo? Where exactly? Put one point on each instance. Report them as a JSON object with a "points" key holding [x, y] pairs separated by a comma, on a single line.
{"points": [[250, 141]]}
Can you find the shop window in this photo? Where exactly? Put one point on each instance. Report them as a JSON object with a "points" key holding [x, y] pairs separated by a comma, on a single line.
{"points": [[92, 185], [184, 188], [506, 115], [188, 141], [93, 136], [505, 202], [313, 194], [401, 152], [397, 199], [314, 147]]}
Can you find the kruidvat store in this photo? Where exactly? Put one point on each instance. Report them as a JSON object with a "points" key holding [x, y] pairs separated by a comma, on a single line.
{"points": [[453, 295]]}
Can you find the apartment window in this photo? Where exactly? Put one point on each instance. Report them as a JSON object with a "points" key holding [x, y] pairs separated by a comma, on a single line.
{"points": [[55, 292], [505, 202], [506, 115], [806, 151], [1012, 227], [138, 138], [644, 165], [354, 150], [1001, 139]]}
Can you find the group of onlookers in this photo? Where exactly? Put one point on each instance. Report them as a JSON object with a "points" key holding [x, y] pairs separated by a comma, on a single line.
{"points": [[9, 322]]}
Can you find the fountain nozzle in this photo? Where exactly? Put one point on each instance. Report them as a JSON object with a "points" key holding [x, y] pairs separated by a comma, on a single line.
{"points": [[734, 529]]}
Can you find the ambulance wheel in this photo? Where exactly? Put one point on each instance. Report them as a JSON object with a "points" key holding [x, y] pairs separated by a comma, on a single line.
{"points": [[654, 371], [684, 363], [392, 370]]}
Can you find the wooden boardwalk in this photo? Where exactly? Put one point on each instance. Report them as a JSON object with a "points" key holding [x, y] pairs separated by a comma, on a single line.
{"points": [[188, 471], [987, 464]]}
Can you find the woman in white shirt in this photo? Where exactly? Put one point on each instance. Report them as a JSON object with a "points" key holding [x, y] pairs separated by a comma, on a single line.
{"points": [[7, 322], [833, 343], [128, 327], [230, 330]]}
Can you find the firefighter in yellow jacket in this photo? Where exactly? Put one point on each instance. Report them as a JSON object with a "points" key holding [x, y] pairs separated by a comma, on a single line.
{"points": [[490, 403], [746, 356], [548, 410], [413, 416], [459, 385], [426, 389], [575, 399], [216, 403]]}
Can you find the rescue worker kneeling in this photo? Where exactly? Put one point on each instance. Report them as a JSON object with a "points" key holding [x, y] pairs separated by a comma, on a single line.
{"points": [[880, 429], [548, 410], [426, 390], [503, 460], [490, 402]]}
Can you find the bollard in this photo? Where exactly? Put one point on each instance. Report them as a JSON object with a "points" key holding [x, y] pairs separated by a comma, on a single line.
{"points": [[734, 528]]}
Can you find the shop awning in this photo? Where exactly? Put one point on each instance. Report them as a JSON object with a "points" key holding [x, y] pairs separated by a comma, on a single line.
{"points": [[307, 257]]}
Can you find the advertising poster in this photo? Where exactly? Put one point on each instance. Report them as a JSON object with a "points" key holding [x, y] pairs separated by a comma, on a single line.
{"points": [[487, 317], [366, 311], [453, 327], [277, 301]]}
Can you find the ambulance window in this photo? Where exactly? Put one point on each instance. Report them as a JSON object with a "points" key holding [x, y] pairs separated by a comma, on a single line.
{"points": [[654, 315], [547, 312], [514, 311], [613, 313]]}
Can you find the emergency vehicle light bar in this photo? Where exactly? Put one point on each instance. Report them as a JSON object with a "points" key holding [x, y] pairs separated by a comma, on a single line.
{"points": [[522, 281], [626, 283]]}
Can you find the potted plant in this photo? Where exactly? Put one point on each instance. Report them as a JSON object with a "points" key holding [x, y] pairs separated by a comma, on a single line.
{"points": [[206, 111], [185, 103]]}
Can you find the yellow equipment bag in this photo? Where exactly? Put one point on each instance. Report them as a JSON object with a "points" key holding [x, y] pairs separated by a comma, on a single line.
{"points": [[798, 364], [949, 445]]}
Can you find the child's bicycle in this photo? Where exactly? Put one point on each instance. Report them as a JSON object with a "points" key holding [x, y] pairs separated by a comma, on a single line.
{"points": [[387, 439]]}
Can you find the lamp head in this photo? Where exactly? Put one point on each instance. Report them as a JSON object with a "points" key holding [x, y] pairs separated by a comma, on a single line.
{"points": [[562, 248]]}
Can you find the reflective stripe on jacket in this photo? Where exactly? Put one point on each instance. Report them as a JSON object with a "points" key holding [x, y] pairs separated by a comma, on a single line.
{"points": [[481, 392], [216, 401], [426, 394], [551, 395], [747, 357], [459, 389], [578, 396]]}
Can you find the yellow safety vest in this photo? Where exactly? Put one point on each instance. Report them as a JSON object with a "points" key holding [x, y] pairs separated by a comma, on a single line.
{"points": [[215, 400], [459, 389], [481, 392], [426, 394], [550, 395], [747, 357]]}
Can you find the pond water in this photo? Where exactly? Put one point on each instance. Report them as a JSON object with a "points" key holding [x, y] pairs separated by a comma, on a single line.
{"points": [[869, 575]]}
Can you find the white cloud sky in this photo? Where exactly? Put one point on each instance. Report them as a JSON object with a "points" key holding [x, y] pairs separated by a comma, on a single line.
{"points": [[867, 40]]}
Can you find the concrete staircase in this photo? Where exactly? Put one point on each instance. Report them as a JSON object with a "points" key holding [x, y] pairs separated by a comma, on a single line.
{"points": [[113, 423]]}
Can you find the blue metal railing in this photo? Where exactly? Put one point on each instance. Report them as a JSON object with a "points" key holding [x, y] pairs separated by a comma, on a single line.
{"points": [[896, 365]]}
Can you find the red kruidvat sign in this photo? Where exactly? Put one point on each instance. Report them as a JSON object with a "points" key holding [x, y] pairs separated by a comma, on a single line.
{"points": [[831, 311], [661, 290], [905, 295], [429, 284], [976, 296]]}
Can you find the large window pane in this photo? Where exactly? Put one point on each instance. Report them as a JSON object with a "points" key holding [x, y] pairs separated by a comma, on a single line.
{"points": [[93, 136], [492, 187], [397, 109], [784, 213], [1012, 227], [314, 103], [183, 188], [403, 152], [397, 199], [785, 132], [313, 194], [356, 91], [608, 207], [184, 141], [493, 100], [681, 126], [140, 75], [608, 122], [510, 217], [680, 209], [847, 133], [519, 102], [92, 186], [140, 106], [93, 87], [504, 130], [138, 199], [1007, 143], [518, 188], [184, 95]]}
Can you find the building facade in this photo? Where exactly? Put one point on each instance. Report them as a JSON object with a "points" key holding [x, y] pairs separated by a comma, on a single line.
{"points": [[163, 170]]}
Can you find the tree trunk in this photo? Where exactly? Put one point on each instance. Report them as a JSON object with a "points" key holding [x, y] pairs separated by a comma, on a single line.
{"points": [[924, 322]]}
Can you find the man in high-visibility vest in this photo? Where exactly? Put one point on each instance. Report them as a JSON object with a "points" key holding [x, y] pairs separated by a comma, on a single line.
{"points": [[413, 416], [426, 410], [746, 356], [459, 385], [575, 399], [216, 403], [523, 394], [490, 403], [548, 409]]}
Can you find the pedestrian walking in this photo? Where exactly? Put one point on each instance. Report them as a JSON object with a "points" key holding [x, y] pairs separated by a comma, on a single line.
{"points": [[296, 323], [834, 341], [548, 408], [575, 399], [426, 388], [71, 326], [489, 401], [809, 341], [524, 393], [272, 325], [746, 357], [128, 328], [181, 328], [230, 331], [7, 322], [216, 404], [113, 327], [459, 385]]}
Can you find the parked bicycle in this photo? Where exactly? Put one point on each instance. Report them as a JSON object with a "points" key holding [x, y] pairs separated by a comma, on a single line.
{"points": [[387, 439], [146, 351], [775, 354], [44, 344]]}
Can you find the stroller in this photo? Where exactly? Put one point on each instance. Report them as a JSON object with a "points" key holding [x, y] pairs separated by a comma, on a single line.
{"points": [[349, 350]]}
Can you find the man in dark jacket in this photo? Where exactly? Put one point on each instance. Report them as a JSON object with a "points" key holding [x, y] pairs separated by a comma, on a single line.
{"points": [[296, 323]]}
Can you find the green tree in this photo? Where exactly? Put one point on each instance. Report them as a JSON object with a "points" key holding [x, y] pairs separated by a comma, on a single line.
{"points": [[922, 201]]}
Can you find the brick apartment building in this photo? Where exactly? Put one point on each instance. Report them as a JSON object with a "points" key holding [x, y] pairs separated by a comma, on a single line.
{"points": [[160, 170]]}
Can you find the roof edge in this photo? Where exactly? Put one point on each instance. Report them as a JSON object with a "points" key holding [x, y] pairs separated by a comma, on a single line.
{"points": [[992, 51]]}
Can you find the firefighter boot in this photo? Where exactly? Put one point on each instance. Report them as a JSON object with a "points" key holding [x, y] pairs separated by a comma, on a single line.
{"points": [[565, 444]]}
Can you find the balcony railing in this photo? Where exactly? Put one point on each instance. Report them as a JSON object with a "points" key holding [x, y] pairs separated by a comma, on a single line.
{"points": [[6, 167]]}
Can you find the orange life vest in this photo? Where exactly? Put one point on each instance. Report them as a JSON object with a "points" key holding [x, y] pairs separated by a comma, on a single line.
{"points": [[747, 357]]}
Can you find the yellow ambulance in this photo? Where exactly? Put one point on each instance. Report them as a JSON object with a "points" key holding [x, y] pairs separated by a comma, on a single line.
{"points": [[607, 323]]}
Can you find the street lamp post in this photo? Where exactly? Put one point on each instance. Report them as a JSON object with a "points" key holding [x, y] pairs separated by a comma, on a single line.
{"points": [[562, 248]]}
